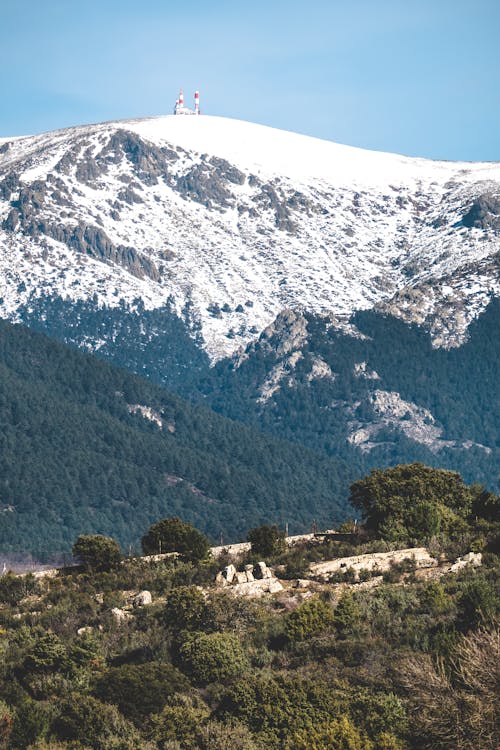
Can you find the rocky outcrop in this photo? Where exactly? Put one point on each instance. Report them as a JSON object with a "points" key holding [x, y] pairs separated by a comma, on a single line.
{"points": [[471, 558], [484, 213], [10, 184], [29, 216], [205, 184], [254, 580], [268, 199], [120, 616], [149, 162]]}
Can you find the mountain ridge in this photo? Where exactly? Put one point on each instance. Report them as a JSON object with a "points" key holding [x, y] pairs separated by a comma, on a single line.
{"points": [[234, 222]]}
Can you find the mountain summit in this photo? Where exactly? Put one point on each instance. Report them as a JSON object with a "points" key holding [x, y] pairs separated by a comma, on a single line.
{"points": [[229, 223]]}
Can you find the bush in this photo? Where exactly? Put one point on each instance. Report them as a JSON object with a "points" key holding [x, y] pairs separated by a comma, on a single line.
{"points": [[174, 535], [213, 657], [14, 588], [310, 618], [31, 723], [140, 689], [217, 736], [179, 722], [347, 614], [96, 552], [339, 734], [100, 726], [184, 609]]}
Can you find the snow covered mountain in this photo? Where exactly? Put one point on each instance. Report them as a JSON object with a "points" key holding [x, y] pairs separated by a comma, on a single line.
{"points": [[230, 223]]}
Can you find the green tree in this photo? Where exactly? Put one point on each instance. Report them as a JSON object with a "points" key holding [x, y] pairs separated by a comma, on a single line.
{"points": [[97, 552], [267, 540], [47, 653], [309, 619], [413, 501], [174, 535], [31, 723]]}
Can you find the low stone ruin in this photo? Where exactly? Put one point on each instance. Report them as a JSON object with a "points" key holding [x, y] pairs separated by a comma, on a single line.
{"points": [[376, 562], [253, 580]]}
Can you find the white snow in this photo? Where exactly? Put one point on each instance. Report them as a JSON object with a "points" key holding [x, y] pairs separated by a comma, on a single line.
{"points": [[374, 229]]}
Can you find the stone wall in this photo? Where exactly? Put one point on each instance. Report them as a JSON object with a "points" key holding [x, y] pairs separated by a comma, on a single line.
{"points": [[374, 562]]}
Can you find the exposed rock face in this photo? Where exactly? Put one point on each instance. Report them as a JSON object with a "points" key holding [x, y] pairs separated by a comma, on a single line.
{"points": [[393, 412], [85, 630], [484, 213], [150, 414], [10, 184]]}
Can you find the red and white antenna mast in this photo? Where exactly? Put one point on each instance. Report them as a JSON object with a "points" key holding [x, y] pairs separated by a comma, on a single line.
{"points": [[181, 98], [197, 102]]}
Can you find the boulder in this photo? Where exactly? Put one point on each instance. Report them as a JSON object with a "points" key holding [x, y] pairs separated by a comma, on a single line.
{"points": [[120, 616], [471, 558], [84, 630], [229, 573], [249, 573], [220, 579], [261, 571], [142, 599]]}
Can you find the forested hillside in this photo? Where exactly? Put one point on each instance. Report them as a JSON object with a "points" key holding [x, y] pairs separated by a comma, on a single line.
{"points": [[77, 455], [378, 353]]}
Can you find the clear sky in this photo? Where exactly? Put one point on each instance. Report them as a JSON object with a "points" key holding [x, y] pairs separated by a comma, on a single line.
{"points": [[418, 77]]}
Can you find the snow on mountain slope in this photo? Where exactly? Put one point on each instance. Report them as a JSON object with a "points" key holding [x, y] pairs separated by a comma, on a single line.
{"points": [[235, 222]]}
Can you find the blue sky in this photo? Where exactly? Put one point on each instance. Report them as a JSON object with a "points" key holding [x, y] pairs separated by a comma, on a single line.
{"points": [[414, 77]]}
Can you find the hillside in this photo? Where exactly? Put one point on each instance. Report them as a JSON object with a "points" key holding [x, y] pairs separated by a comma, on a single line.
{"points": [[86, 447], [337, 642]]}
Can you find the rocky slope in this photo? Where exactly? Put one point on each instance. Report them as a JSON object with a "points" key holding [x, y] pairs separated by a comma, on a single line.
{"points": [[234, 222]]}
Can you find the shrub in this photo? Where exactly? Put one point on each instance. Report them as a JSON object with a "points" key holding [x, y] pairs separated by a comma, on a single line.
{"points": [[180, 722], [339, 734], [213, 657], [347, 614], [140, 689], [31, 723], [310, 618], [228, 736], [184, 609], [99, 725]]}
